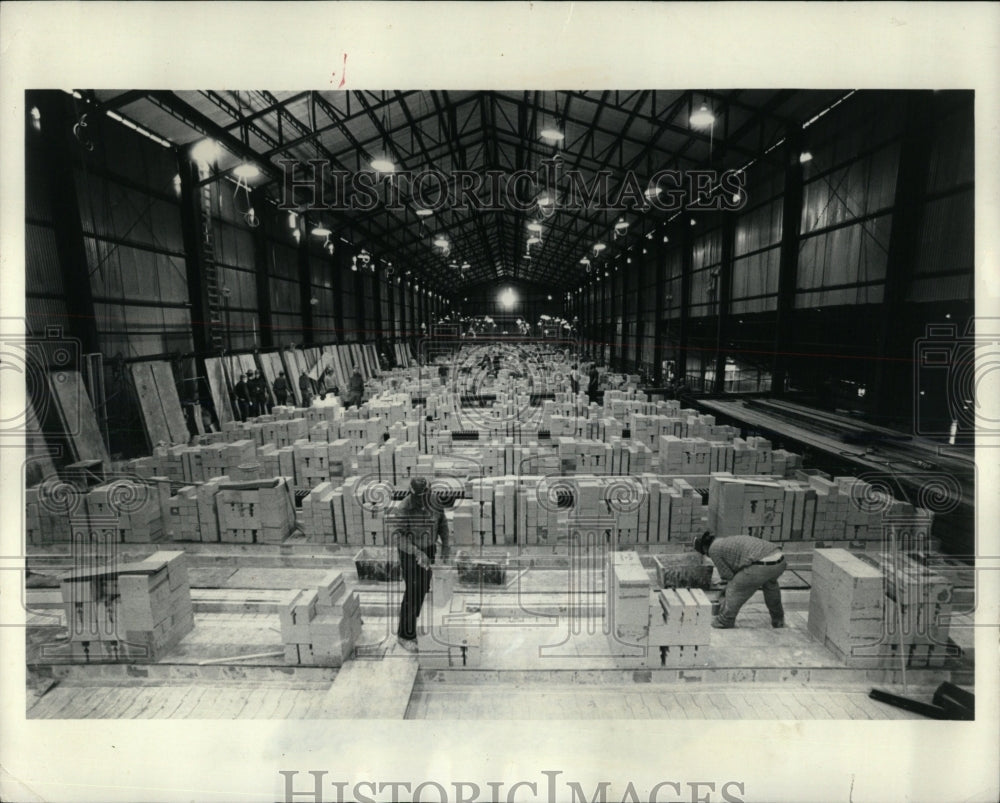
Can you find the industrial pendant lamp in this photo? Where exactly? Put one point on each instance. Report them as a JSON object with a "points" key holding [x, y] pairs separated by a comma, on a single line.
{"points": [[553, 132], [383, 162]]}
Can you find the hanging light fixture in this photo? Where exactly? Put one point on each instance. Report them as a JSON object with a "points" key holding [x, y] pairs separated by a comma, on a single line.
{"points": [[293, 220], [423, 211], [206, 152], [534, 239], [805, 156], [441, 241], [702, 118], [535, 226], [598, 247], [321, 231], [553, 131], [246, 171], [621, 227], [383, 162]]}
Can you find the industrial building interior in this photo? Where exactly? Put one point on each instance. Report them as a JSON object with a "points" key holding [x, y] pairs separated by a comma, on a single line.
{"points": [[597, 324]]}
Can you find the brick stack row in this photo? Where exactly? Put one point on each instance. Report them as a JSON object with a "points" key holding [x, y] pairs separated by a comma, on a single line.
{"points": [[320, 627]]}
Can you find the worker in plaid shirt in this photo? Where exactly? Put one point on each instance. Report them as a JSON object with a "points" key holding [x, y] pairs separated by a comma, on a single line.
{"points": [[746, 564]]}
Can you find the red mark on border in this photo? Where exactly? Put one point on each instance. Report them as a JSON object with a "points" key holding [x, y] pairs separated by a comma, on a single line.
{"points": [[343, 75]]}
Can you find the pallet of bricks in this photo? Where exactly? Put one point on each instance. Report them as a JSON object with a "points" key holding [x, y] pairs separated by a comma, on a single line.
{"points": [[136, 611], [669, 628], [865, 610], [817, 508], [320, 627], [261, 512]]}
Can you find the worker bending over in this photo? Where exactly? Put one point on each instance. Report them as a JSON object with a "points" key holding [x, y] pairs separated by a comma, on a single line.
{"points": [[746, 563]]}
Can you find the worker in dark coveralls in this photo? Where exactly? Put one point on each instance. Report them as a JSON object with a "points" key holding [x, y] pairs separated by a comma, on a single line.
{"points": [[355, 389], [746, 563], [418, 528]]}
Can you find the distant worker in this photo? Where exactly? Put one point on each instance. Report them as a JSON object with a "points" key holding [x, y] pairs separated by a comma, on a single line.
{"points": [[242, 395], [355, 389], [593, 381], [281, 389], [259, 394], [574, 380], [306, 388], [746, 564], [419, 529]]}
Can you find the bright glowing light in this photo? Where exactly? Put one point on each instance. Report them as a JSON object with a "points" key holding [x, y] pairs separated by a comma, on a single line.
{"points": [[508, 299], [552, 134], [321, 231], [441, 241], [532, 240], [702, 118], [206, 151], [652, 193], [804, 157], [598, 247], [535, 226], [544, 200], [246, 171], [293, 220], [383, 164], [621, 226], [422, 212]]}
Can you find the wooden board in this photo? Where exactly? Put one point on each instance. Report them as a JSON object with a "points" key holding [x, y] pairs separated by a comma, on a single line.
{"points": [[170, 401], [153, 419], [372, 689], [288, 356], [38, 462], [218, 384], [77, 416]]}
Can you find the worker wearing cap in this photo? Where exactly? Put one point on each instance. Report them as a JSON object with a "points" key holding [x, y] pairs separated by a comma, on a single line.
{"points": [[746, 564], [419, 528]]}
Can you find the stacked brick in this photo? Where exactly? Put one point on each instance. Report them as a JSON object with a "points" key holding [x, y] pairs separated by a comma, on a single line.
{"points": [[255, 512], [320, 627], [844, 508], [853, 610], [136, 611], [653, 629]]}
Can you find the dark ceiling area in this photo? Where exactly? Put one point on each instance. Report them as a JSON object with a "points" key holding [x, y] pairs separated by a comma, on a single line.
{"points": [[613, 136]]}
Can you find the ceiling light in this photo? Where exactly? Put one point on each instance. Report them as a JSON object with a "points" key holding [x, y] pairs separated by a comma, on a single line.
{"points": [[804, 157], [466, 266], [645, 251], [297, 235], [702, 118], [535, 226], [550, 298], [666, 239], [423, 212], [293, 220], [321, 231], [534, 239], [246, 171], [544, 200], [585, 261], [598, 247], [383, 164], [441, 241], [621, 226], [553, 134], [508, 299], [629, 260], [693, 222], [206, 151], [652, 193]]}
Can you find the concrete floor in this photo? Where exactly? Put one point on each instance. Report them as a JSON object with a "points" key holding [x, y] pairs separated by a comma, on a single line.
{"points": [[549, 665]]}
